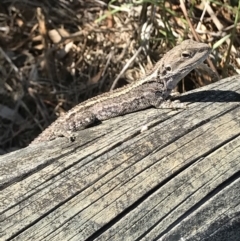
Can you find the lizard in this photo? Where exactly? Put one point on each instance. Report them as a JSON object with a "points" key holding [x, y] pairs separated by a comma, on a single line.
{"points": [[153, 89]]}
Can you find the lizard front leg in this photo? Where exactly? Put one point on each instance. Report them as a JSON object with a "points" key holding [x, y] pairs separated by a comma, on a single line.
{"points": [[162, 100], [168, 104]]}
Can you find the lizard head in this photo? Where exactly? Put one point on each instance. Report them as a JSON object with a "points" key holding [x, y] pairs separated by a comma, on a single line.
{"points": [[182, 59]]}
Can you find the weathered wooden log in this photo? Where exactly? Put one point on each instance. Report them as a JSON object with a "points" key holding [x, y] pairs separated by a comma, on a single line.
{"points": [[150, 175]]}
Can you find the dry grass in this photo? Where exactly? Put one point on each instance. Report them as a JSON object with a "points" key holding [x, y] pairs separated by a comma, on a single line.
{"points": [[56, 55]]}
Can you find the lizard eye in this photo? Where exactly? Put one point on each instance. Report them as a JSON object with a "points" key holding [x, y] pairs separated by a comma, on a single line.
{"points": [[186, 54], [168, 68]]}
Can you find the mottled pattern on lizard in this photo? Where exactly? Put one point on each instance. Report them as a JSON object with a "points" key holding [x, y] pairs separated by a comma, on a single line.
{"points": [[151, 90]]}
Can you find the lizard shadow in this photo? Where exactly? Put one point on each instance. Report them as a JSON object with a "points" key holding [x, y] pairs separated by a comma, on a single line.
{"points": [[210, 96]]}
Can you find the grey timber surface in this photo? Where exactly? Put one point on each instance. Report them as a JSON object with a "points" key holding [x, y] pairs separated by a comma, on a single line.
{"points": [[151, 175]]}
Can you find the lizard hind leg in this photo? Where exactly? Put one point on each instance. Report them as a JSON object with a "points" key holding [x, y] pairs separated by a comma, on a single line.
{"points": [[66, 126], [78, 121], [74, 122]]}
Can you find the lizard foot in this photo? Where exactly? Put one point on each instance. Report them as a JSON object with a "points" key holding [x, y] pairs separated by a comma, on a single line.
{"points": [[168, 104]]}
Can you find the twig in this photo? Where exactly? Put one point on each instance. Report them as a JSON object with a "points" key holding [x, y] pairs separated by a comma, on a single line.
{"points": [[182, 5], [15, 68], [125, 67], [202, 16], [231, 42], [110, 55]]}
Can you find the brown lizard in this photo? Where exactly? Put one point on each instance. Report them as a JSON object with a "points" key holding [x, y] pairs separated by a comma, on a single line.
{"points": [[151, 90]]}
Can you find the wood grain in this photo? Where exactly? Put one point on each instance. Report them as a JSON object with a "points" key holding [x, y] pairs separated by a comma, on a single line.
{"points": [[150, 175]]}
